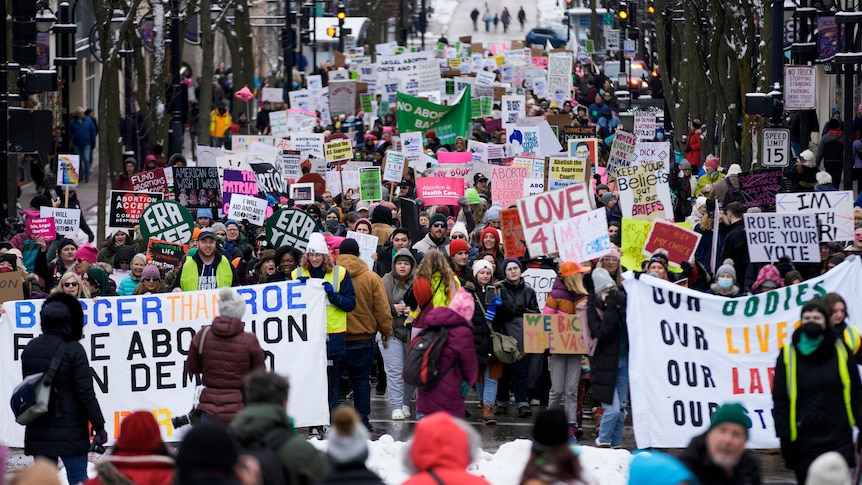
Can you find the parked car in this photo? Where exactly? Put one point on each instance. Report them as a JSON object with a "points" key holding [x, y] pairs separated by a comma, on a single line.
{"points": [[639, 77], [542, 35]]}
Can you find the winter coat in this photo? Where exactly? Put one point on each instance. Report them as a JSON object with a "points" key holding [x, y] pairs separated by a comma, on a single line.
{"points": [[381, 223], [821, 416], [722, 187], [445, 449], [257, 423], [692, 148], [128, 285], [149, 469], [82, 131], [735, 246], [610, 330], [372, 313], [107, 253], [457, 360], [219, 123], [229, 354], [427, 244], [395, 294], [705, 180], [831, 148], [124, 182], [696, 459], [804, 178], [518, 299], [64, 429], [561, 300], [350, 473], [386, 254], [481, 333]]}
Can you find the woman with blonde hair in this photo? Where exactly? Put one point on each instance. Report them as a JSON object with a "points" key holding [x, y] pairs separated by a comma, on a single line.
{"points": [[71, 284], [434, 285]]}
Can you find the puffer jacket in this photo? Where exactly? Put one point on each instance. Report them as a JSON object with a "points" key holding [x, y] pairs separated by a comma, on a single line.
{"points": [[561, 300], [229, 354], [518, 299], [481, 333], [64, 429], [395, 294], [440, 444], [372, 313], [611, 331]]}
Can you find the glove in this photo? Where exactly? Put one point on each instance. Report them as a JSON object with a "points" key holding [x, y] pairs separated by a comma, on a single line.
{"points": [[585, 369], [462, 201], [686, 267], [100, 436], [464, 388], [327, 286], [419, 202], [490, 312], [496, 301]]}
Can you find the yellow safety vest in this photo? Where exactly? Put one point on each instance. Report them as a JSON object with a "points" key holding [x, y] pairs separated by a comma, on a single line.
{"points": [[336, 318], [852, 338], [789, 355], [190, 275]]}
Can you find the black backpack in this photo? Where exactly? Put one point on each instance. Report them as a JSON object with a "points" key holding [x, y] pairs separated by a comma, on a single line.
{"points": [[422, 362], [271, 468], [734, 194]]}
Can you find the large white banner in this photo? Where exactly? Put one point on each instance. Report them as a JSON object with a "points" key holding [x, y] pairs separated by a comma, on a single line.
{"points": [[137, 348], [691, 352]]}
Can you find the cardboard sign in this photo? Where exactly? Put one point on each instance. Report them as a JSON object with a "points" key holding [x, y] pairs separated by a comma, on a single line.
{"points": [[152, 181], [126, 207], [644, 191], [622, 151], [367, 246], [370, 186], [566, 335], [679, 242], [244, 207], [773, 235], [197, 187], [394, 170], [11, 286], [68, 170], [760, 187], [302, 193], [165, 254], [66, 221], [41, 226], [539, 212], [290, 227], [439, 190], [541, 281], [834, 211], [537, 330], [513, 233], [507, 183], [584, 237], [342, 97], [338, 150], [167, 220]]}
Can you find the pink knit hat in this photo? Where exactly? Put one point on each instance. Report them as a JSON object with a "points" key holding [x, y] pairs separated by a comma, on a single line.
{"points": [[88, 252], [712, 162], [767, 273]]}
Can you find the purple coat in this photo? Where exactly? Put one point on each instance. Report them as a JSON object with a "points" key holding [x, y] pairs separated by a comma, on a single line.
{"points": [[446, 395]]}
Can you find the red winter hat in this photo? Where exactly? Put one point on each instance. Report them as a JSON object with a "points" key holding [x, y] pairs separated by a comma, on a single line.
{"points": [[458, 245], [493, 231], [431, 134], [139, 434]]}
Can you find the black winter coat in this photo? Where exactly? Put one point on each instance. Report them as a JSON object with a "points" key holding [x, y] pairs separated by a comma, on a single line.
{"points": [[612, 335], [354, 473], [735, 247], [821, 417], [518, 299], [696, 458], [481, 332], [64, 429]]}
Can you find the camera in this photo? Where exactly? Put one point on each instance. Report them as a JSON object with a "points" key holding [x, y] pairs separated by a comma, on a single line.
{"points": [[97, 448], [191, 418]]}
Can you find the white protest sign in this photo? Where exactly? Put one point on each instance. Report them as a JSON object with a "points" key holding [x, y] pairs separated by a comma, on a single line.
{"points": [[273, 95], [834, 211], [249, 208], [773, 235], [421, 66], [308, 142], [533, 186], [279, 124], [300, 99], [66, 221], [350, 179], [539, 212], [645, 192], [692, 352], [584, 237], [394, 170], [367, 246], [485, 78], [411, 146], [644, 125], [478, 151], [541, 281], [622, 150], [138, 347], [514, 107]]}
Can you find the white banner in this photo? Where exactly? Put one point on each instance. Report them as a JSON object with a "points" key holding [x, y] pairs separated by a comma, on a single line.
{"points": [[692, 352], [772, 235], [137, 349], [66, 221], [834, 211]]}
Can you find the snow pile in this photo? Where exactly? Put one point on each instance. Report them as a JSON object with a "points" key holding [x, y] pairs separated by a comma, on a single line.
{"points": [[549, 12]]}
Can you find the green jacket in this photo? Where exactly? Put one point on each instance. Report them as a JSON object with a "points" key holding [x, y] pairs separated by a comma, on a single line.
{"points": [[256, 423]]}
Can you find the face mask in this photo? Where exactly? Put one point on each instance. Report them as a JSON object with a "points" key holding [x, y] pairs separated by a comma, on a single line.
{"points": [[812, 330], [654, 274], [725, 283], [660, 136], [221, 110]]}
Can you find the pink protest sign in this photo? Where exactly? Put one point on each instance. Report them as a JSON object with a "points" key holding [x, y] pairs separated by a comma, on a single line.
{"points": [[439, 190], [454, 157], [42, 226]]}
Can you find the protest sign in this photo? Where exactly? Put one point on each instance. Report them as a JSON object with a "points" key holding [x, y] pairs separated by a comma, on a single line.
{"points": [[419, 66], [206, 156], [338, 150], [478, 151], [348, 179], [237, 182], [290, 165], [539, 212], [272, 95], [126, 207], [308, 142], [138, 346], [537, 330], [66, 221], [533, 186], [279, 124], [569, 133], [290, 227], [244, 143], [11, 288], [760, 187], [834, 211], [394, 171], [523, 140], [644, 191], [411, 145], [513, 233], [367, 246], [541, 281], [269, 180], [692, 352], [151, 181], [197, 187], [584, 237], [566, 335], [454, 157], [447, 121], [773, 235], [679, 242], [244, 207], [165, 254], [622, 151], [302, 193], [342, 98], [68, 170], [507, 183], [439, 190], [167, 220], [41, 226], [566, 171], [370, 186], [514, 107], [644, 127]]}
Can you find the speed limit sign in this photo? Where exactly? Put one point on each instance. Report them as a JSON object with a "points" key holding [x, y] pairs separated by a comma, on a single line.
{"points": [[775, 147]]}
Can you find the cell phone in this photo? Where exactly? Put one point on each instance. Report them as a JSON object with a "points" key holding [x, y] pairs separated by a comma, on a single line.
{"points": [[53, 194], [490, 294]]}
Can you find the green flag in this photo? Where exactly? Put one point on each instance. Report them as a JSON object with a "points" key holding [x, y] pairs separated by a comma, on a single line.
{"points": [[449, 122]]}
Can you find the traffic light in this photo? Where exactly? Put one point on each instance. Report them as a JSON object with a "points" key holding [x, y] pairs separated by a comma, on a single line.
{"points": [[24, 32], [570, 4], [342, 14], [332, 32], [651, 7], [623, 15]]}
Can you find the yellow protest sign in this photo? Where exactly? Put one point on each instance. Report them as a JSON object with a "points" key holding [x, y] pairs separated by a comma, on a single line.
{"points": [[634, 237], [338, 150]]}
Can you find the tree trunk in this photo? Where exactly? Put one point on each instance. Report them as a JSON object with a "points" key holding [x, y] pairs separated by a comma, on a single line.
{"points": [[205, 103]]}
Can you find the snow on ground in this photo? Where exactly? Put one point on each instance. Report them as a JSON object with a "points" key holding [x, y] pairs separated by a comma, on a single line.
{"points": [[550, 12], [385, 458]]}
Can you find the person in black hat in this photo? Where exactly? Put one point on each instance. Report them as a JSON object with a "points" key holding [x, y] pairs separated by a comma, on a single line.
{"points": [[551, 460], [209, 455], [480, 183]]}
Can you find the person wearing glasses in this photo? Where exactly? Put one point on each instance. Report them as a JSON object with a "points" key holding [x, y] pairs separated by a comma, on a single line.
{"points": [[86, 256], [72, 285], [52, 272], [95, 280], [151, 281], [436, 237]]}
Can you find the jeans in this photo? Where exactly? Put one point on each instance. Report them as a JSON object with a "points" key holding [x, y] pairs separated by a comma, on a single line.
{"points": [[795, 148], [216, 142], [86, 155], [615, 413], [357, 364], [487, 389], [565, 379], [393, 362], [76, 467]]}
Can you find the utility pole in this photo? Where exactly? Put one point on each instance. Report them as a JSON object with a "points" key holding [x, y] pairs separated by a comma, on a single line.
{"points": [[176, 127], [288, 42]]}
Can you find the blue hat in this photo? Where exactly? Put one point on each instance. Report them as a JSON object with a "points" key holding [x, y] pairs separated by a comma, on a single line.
{"points": [[512, 260], [655, 468], [205, 213], [835, 111]]}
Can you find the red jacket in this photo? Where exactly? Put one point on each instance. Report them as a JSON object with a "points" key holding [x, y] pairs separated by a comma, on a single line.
{"points": [[229, 354], [149, 469], [440, 443], [692, 144]]}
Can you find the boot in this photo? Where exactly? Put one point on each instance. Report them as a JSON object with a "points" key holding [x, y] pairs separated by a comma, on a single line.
{"points": [[598, 412], [571, 431], [579, 430], [488, 415]]}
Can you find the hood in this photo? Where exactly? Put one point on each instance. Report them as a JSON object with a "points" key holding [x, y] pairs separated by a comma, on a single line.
{"points": [[404, 252], [559, 290], [439, 442], [227, 327], [98, 274], [124, 252], [256, 420], [62, 315], [352, 264], [382, 214]]}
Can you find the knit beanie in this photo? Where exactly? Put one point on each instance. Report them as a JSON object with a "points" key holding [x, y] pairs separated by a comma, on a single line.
{"points": [[151, 271], [479, 265], [731, 413], [472, 196], [218, 226], [66, 242], [347, 438], [726, 267], [316, 244], [607, 197], [767, 273], [602, 280], [232, 222], [615, 252], [460, 228], [438, 217], [550, 430], [349, 246], [830, 468], [207, 446], [230, 304], [88, 252], [712, 162], [656, 468], [492, 214], [208, 213], [139, 434], [512, 260], [458, 245], [491, 230]]}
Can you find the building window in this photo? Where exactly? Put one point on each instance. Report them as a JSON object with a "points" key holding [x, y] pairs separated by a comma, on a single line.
{"points": [[91, 84]]}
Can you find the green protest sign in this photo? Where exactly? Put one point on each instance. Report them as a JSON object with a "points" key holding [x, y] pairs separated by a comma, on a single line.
{"points": [[487, 103], [290, 227], [475, 108], [449, 122], [365, 100], [167, 220], [370, 184], [590, 47]]}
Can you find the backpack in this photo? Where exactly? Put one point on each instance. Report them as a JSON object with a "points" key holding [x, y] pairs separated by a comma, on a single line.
{"points": [[272, 470], [31, 397], [734, 194], [422, 362]]}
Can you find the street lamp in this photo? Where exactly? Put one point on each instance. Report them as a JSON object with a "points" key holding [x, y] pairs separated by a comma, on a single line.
{"points": [[215, 11], [45, 19]]}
